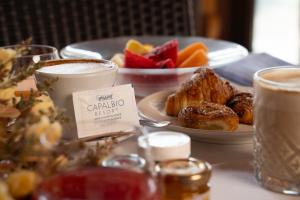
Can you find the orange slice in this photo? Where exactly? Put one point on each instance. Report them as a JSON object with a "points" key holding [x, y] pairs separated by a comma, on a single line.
{"points": [[198, 58], [189, 50]]}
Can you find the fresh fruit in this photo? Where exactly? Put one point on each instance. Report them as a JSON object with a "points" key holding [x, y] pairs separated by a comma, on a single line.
{"points": [[165, 51], [149, 47], [168, 63], [189, 50], [137, 47], [138, 55], [198, 58], [133, 60], [118, 58]]}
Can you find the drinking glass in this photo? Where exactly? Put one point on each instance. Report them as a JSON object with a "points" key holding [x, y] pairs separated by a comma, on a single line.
{"points": [[34, 54], [277, 129]]}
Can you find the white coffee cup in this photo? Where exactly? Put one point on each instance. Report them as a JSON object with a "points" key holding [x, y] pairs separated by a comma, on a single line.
{"points": [[75, 75]]}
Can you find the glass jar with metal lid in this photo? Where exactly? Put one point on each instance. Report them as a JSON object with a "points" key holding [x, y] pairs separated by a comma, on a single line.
{"points": [[131, 161], [184, 179]]}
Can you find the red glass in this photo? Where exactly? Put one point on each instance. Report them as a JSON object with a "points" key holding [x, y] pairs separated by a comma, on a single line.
{"points": [[101, 183]]}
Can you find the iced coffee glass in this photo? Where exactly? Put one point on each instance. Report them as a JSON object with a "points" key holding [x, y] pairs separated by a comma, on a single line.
{"points": [[277, 129]]}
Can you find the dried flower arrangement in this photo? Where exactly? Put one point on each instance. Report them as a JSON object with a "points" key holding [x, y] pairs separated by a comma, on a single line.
{"points": [[30, 133]]}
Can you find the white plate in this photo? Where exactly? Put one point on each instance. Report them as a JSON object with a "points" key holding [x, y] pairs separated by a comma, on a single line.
{"points": [[152, 107], [220, 52], [148, 81]]}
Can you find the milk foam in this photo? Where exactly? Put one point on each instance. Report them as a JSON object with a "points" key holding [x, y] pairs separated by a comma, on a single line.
{"points": [[75, 68], [284, 76]]}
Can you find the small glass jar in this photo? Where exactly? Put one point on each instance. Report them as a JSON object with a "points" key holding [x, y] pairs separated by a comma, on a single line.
{"points": [[184, 179], [131, 161]]}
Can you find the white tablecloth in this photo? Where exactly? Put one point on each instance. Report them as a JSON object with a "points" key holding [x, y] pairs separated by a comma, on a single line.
{"points": [[232, 176]]}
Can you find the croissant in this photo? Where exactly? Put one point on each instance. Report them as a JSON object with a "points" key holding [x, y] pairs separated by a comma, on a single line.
{"points": [[209, 116], [242, 105], [204, 85]]}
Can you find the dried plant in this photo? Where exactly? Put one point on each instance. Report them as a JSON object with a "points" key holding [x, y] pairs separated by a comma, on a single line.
{"points": [[30, 132]]}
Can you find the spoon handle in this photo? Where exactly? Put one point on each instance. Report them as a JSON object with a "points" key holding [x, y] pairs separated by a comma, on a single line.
{"points": [[150, 123]]}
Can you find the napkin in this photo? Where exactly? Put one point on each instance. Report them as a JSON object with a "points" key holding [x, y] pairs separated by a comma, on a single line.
{"points": [[242, 71]]}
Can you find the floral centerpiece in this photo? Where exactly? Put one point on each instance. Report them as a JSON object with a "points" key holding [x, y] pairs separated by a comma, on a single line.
{"points": [[30, 133]]}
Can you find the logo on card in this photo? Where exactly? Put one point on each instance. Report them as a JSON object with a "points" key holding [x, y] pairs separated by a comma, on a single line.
{"points": [[104, 97], [105, 105]]}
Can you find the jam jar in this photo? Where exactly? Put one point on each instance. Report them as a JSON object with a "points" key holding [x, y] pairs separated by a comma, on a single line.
{"points": [[184, 179]]}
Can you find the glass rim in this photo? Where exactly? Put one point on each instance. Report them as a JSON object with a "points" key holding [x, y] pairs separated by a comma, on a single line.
{"points": [[111, 67], [257, 77], [53, 49]]}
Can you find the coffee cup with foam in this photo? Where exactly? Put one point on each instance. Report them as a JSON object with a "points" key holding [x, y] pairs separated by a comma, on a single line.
{"points": [[74, 75]]}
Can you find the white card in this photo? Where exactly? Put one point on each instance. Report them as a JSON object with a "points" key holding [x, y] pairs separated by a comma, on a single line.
{"points": [[106, 110]]}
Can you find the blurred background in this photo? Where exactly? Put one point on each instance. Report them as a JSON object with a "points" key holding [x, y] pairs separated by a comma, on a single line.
{"points": [[270, 26]]}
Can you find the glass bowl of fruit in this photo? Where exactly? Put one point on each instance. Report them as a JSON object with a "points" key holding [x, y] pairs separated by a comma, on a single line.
{"points": [[150, 69]]}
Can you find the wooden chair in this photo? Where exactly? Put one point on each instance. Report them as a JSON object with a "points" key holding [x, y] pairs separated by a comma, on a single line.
{"points": [[61, 22]]}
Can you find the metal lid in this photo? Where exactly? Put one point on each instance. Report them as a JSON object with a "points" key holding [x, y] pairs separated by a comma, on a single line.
{"points": [[125, 161]]}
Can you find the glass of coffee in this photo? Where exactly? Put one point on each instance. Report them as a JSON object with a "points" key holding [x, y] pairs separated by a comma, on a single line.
{"points": [[277, 129], [74, 75]]}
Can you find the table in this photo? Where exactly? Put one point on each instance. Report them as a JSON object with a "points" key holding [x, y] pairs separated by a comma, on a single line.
{"points": [[232, 172]]}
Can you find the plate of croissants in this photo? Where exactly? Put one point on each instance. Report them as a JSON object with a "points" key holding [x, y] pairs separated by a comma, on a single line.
{"points": [[206, 107]]}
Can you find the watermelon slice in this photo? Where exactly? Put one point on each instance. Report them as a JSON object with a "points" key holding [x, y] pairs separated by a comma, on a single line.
{"points": [[168, 63], [133, 60], [165, 51]]}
